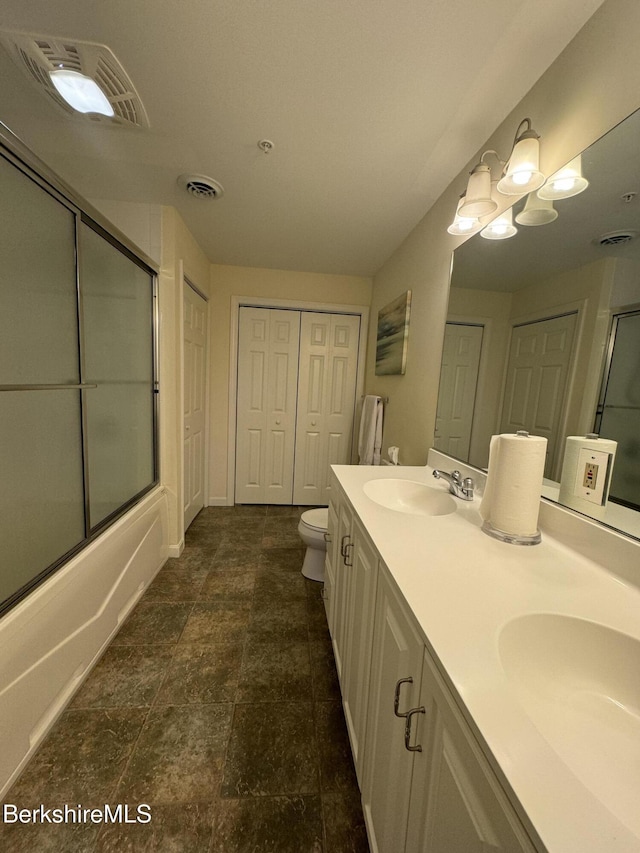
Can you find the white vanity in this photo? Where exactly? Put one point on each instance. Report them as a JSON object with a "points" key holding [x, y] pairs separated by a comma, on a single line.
{"points": [[491, 692]]}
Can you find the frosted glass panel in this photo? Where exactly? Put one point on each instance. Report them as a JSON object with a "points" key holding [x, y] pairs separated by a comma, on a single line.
{"points": [[38, 305], [41, 482], [41, 497], [117, 326]]}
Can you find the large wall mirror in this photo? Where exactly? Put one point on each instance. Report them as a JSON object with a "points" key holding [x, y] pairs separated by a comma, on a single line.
{"points": [[543, 328]]}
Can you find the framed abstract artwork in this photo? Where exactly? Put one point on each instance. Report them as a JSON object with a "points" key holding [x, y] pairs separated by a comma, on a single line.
{"points": [[393, 334]]}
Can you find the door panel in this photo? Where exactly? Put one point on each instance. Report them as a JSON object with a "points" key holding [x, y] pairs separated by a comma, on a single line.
{"points": [[536, 384], [194, 382], [326, 401], [268, 344], [458, 382]]}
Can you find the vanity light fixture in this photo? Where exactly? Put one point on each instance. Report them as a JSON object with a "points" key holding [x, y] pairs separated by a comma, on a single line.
{"points": [[477, 200], [500, 228], [522, 174], [463, 225], [566, 182], [537, 211], [80, 92]]}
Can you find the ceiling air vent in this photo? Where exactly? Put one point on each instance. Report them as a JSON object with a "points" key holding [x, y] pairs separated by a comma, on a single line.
{"points": [[201, 186], [615, 238], [38, 55]]}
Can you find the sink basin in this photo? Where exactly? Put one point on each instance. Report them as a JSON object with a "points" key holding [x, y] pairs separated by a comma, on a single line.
{"points": [[579, 683], [409, 497]]}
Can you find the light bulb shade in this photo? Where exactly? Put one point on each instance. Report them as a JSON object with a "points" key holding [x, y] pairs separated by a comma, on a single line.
{"points": [[523, 174], [566, 182], [501, 228], [537, 211], [463, 225], [80, 92], [477, 200]]}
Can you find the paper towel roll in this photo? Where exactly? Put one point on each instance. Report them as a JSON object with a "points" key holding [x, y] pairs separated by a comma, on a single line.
{"points": [[511, 500], [575, 493]]}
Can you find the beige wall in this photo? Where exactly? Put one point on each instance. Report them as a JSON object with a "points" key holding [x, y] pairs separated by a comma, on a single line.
{"points": [[227, 282], [590, 88]]}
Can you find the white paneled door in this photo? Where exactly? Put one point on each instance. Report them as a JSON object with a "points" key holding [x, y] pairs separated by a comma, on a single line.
{"points": [[458, 383], [195, 336], [268, 344], [536, 382], [295, 404], [326, 401]]}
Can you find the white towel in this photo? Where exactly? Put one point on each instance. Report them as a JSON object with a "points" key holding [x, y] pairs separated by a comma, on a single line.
{"points": [[370, 442]]}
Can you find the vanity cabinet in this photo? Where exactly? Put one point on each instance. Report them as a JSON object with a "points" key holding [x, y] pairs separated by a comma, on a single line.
{"points": [[428, 788], [331, 558], [361, 576], [396, 667], [351, 571], [456, 803]]}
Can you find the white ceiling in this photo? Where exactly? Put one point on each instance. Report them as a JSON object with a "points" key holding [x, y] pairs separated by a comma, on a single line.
{"points": [[374, 106]]}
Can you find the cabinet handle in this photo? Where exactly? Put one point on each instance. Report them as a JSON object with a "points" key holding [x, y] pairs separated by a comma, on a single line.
{"points": [[343, 547], [407, 729], [324, 595], [396, 696], [346, 554], [327, 538]]}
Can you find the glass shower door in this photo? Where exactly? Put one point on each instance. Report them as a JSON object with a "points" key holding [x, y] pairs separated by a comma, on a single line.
{"points": [[42, 513], [117, 322], [619, 410]]}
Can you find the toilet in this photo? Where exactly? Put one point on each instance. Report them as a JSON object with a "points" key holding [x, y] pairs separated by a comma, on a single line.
{"points": [[312, 529]]}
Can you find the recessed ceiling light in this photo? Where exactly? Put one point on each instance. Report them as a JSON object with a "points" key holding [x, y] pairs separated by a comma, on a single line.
{"points": [[81, 92]]}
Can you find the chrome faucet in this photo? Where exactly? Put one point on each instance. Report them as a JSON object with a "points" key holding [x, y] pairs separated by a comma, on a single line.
{"points": [[457, 486]]}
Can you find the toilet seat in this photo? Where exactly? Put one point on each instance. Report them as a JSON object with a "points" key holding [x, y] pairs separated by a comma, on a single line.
{"points": [[317, 519]]}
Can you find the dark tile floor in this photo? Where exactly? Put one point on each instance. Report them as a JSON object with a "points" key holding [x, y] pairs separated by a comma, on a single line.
{"points": [[217, 704]]}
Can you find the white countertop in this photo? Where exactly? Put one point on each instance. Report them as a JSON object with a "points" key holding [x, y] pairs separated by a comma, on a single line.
{"points": [[463, 588]]}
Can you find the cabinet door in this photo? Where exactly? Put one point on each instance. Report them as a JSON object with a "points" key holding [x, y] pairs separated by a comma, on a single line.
{"points": [[361, 581], [333, 554], [397, 654], [342, 568], [457, 804]]}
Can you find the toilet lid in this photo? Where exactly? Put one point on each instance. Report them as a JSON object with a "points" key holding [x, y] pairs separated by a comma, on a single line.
{"points": [[318, 518]]}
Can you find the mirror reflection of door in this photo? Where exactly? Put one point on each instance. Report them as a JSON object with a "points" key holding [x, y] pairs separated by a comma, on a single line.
{"points": [[538, 369], [458, 385], [619, 411]]}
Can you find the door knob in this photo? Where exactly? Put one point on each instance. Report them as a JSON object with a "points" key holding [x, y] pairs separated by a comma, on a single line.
{"points": [[278, 422], [313, 423], [187, 428]]}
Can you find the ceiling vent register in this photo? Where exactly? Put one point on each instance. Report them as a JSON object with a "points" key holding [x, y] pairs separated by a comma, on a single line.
{"points": [[200, 186], [37, 56], [616, 238]]}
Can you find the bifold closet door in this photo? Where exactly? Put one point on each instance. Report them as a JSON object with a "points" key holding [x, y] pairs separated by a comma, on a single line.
{"points": [[326, 401], [268, 344]]}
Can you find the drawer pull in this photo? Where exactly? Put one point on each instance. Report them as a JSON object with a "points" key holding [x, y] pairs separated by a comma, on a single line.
{"points": [[343, 546], [407, 729], [396, 696], [327, 538]]}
